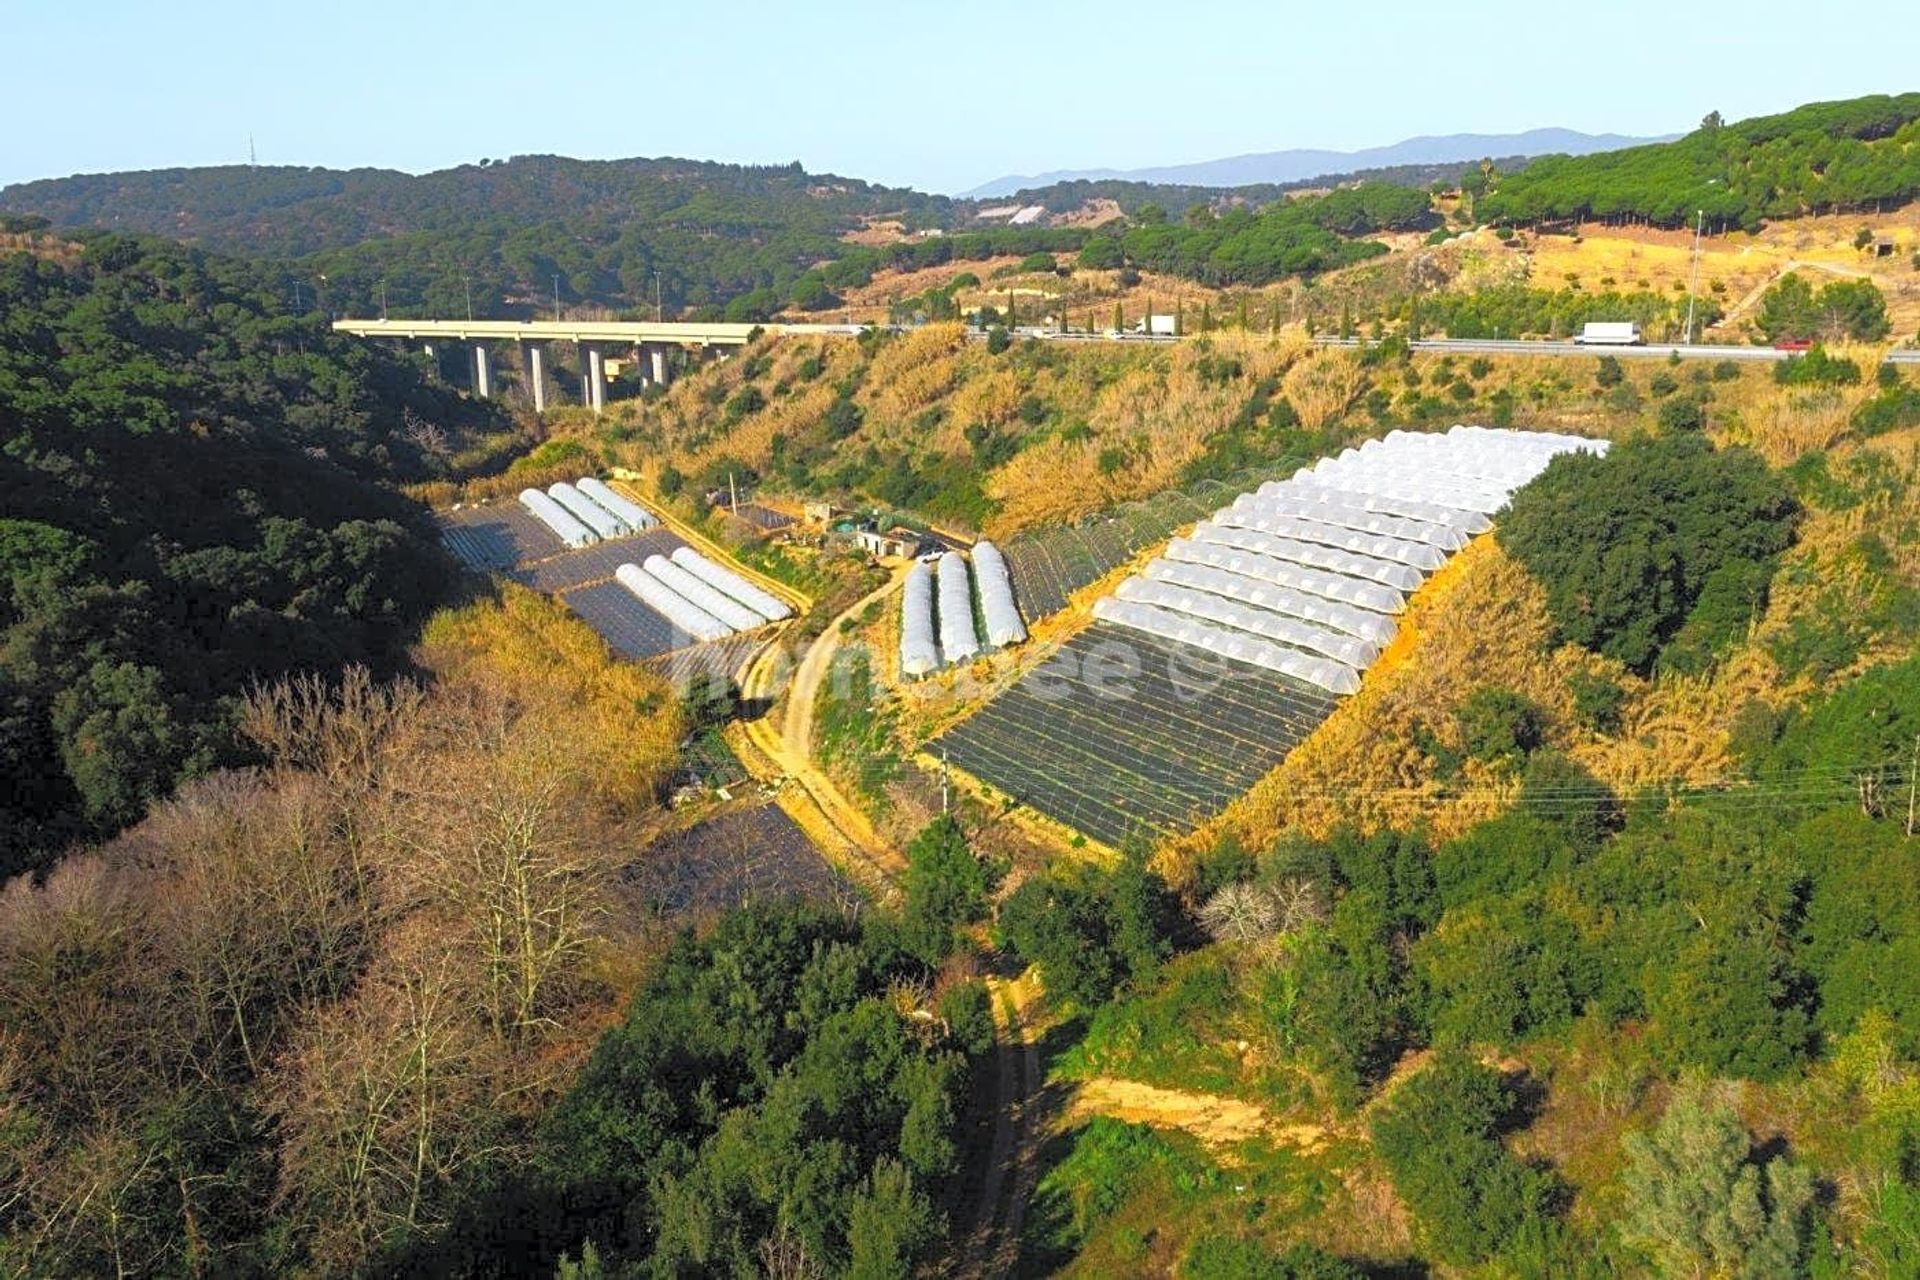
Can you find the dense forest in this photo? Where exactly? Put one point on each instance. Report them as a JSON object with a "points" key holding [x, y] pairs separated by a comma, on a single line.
{"points": [[1863, 153], [1301, 236], [193, 502], [610, 232]]}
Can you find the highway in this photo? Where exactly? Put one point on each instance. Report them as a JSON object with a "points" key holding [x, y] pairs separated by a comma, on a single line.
{"points": [[694, 332], [1501, 346]]}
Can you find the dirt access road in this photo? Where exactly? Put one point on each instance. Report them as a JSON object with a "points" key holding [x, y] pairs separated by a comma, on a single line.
{"points": [[780, 754]]}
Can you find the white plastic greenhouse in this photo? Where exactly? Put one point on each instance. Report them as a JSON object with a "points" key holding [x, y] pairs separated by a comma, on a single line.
{"points": [[587, 511], [1255, 616], [1371, 596], [669, 604], [1375, 629], [1303, 575], [564, 524], [1312, 554], [1288, 498], [729, 583], [958, 639], [631, 513], [990, 577], [1418, 555], [1323, 672], [719, 604], [919, 651]]}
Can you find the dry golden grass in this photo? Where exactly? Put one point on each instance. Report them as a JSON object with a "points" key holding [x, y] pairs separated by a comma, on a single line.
{"points": [[1324, 386], [1737, 267], [620, 722]]}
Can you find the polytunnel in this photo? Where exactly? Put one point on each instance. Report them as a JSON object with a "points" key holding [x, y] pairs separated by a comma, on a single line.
{"points": [[729, 583], [717, 603], [1256, 616], [670, 604], [958, 640], [1466, 522], [1312, 554], [1222, 580], [1372, 596], [1167, 625], [919, 651], [564, 523], [991, 579], [635, 516], [587, 511], [1251, 515], [1284, 497]]}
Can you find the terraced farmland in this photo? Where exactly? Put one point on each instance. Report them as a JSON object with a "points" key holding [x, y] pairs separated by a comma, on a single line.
{"points": [[1123, 734]]}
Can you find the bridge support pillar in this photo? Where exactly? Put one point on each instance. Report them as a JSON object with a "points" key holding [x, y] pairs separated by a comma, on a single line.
{"points": [[482, 373], [596, 379], [537, 375], [657, 364]]}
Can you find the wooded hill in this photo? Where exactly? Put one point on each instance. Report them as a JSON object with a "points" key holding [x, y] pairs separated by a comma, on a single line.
{"points": [[192, 504], [1863, 153], [606, 228]]}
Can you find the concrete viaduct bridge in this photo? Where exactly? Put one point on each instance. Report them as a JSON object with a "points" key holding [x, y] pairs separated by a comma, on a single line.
{"points": [[647, 340]]}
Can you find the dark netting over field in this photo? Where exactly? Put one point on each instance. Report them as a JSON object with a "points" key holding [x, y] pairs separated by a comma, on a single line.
{"points": [[630, 628], [498, 535], [742, 855], [1049, 564], [595, 563], [1121, 734]]}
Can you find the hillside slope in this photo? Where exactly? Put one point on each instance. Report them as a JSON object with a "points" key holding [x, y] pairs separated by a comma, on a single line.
{"points": [[606, 229]]}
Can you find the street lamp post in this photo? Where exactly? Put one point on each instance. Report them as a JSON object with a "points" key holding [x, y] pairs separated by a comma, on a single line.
{"points": [[467, 282]]}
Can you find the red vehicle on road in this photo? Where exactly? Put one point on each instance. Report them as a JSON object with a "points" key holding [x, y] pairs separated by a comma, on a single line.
{"points": [[1793, 344]]}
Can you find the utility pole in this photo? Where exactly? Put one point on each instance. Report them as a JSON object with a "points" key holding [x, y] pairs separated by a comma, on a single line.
{"points": [[1693, 280], [657, 313], [943, 780], [556, 299], [383, 301], [733, 493], [467, 281], [1913, 780], [296, 297]]}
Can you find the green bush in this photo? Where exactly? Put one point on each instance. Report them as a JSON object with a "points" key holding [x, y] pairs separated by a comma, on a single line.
{"points": [[1439, 1138], [1817, 369], [1624, 544], [1499, 726], [1682, 414]]}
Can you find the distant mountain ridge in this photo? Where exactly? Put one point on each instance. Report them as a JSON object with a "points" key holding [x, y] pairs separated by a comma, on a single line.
{"points": [[1299, 165]]}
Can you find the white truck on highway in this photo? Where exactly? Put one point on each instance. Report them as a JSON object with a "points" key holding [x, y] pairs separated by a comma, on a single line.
{"points": [[1609, 333]]}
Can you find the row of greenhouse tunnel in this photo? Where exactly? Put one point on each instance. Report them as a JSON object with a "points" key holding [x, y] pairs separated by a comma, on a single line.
{"points": [[700, 598], [1306, 576], [705, 600], [938, 623], [587, 512]]}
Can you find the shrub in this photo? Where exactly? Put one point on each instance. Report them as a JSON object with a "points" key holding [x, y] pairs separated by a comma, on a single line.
{"points": [[1608, 373], [1597, 701], [998, 340], [1439, 1138], [1500, 726], [1817, 369], [1683, 414]]}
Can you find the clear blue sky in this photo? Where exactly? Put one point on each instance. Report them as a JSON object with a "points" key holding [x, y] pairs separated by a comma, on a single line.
{"points": [[940, 97]]}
